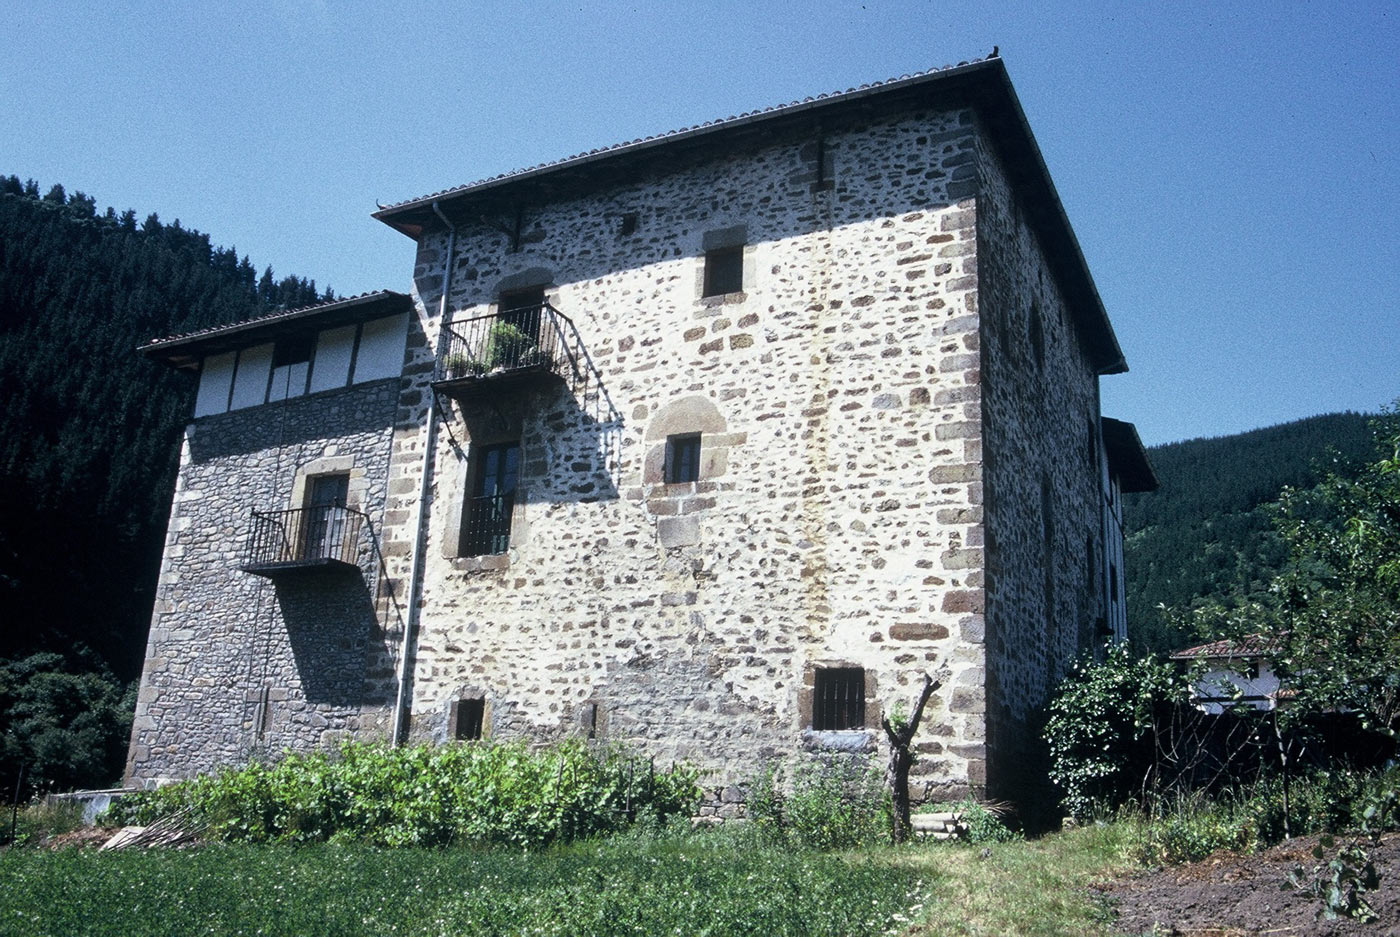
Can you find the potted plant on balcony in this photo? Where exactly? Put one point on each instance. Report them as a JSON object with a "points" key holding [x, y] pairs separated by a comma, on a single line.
{"points": [[507, 346], [459, 364]]}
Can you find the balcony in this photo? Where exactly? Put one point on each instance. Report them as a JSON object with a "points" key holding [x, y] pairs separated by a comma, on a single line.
{"points": [[323, 539], [525, 347]]}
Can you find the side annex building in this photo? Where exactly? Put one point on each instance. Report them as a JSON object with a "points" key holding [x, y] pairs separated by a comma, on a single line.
{"points": [[712, 444]]}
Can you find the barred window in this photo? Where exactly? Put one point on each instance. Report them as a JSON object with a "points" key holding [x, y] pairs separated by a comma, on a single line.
{"points": [[838, 699]]}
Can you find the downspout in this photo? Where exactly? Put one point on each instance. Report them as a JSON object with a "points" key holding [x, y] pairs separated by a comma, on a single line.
{"points": [[415, 574]]}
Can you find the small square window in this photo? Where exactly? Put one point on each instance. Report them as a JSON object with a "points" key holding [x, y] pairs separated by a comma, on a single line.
{"points": [[724, 271], [682, 459], [470, 715], [838, 699]]}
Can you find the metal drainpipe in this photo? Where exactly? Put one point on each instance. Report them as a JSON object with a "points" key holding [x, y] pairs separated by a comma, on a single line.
{"points": [[415, 575]]}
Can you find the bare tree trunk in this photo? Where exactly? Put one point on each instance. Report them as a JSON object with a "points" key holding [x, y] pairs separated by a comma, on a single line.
{"points": [[902, 759]]}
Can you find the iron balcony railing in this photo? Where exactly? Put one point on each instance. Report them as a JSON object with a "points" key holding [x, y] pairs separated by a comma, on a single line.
{"points": [[514, 343], [325, 536], [486, 524]]}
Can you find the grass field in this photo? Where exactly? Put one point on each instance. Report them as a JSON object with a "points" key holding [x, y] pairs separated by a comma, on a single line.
{"points": [[700, 884]]}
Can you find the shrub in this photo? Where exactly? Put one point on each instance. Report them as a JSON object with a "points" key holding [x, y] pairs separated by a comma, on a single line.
{"points": [[1192, 827], [426, 796], [1102, 730], [835, 803]]}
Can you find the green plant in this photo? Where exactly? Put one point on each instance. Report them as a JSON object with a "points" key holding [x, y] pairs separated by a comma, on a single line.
{"points": [[1339, 884], [507, 345], [460, 364], [39, 820], [426, 796], [982, 822], [1102, 730], [835, 803]]}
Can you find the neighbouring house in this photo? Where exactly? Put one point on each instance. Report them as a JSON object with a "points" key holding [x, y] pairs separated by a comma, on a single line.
{"points": [[1234, 673], [711, 444]]}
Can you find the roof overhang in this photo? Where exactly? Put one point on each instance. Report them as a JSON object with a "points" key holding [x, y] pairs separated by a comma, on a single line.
{"points": [[186, 351], [1127, 459], [984, 86]]}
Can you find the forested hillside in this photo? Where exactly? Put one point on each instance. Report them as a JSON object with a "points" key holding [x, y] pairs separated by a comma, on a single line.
{"points": [[1206, 532], [89, 434]]}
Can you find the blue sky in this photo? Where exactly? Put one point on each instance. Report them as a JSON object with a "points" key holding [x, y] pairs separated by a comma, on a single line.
{"points": [[1232, 170]]}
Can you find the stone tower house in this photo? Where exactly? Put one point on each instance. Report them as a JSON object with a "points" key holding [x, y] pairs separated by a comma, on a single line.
{"points": [[711, 444]]}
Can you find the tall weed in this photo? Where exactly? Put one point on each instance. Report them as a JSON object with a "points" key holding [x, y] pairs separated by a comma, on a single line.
{"points": [[835, 803]]}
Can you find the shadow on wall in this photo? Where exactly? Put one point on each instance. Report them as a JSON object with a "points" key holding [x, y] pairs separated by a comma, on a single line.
{"points": [[331, 625], [349, 412], [571, 448]]}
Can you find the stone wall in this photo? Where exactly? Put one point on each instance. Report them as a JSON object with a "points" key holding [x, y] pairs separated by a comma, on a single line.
{"points": [[1040, 412], [236, 664], [837, 517]]}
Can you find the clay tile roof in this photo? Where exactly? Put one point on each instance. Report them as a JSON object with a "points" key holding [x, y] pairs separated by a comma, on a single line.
{"points": [[1254, 645], [185, 349]]}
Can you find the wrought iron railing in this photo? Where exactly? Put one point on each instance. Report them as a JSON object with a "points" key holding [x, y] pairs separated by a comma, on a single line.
{"points": [[486, 524], [514, 342], [316, 536]]}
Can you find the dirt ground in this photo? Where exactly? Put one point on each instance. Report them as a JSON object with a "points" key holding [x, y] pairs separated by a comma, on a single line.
{"points": [[1232, 895]]}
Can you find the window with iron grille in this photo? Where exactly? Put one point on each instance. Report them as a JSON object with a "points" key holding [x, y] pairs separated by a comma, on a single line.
{"points": [[724, 271], [838, 699], [487, 514], [682, 458], [468, 719]]}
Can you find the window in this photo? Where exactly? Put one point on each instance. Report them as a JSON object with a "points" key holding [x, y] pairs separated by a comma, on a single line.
{"points": [[724, 270], [521, 308], [291, 366], [682, 459], [629, 223], [468, 719], [323, 524], [838, 699], [487, 513]]}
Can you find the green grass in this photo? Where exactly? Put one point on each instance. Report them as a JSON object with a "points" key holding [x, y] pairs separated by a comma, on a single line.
{"points": [[716, 884], [630, 887], [1026, 888]]}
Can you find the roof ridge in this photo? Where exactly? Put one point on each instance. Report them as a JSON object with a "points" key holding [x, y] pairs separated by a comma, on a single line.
{"points": [[270, 316], [679, 131]]}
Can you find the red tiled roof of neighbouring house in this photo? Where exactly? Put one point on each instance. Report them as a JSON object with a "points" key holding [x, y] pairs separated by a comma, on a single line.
{"points": [[1254, 645]]}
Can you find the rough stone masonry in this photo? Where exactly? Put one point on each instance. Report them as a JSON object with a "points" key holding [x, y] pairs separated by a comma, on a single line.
{"points": [[898, 467]]}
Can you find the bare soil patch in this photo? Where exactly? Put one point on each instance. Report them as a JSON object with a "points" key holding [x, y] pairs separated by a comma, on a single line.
{"points": [[1233, 895], [88, 837]]}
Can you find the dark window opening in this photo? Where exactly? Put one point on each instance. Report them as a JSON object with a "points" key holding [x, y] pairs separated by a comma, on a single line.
{"points": [[471, 714], [521, 308], [293, 350], [838, 699], [291, 367], [724, 271], [324, 520], [629, 223], [682, 459], [487, 513]]}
